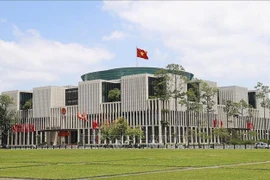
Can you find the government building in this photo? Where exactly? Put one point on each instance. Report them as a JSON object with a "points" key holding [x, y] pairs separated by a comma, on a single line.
{"points": [[54, 119]]}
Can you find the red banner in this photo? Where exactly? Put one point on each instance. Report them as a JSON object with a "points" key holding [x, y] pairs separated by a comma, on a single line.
{"points": [[23, 128], [63, 133]]}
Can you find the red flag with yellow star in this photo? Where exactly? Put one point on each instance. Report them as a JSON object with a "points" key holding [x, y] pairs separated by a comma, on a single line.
{"points": [[142, 53]]}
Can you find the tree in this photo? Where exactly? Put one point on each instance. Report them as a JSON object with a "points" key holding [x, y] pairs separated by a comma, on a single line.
{"points": [[7, 116], [192, 102], [161, 91], [114, 95], [169, 83], [118, 129], [208, 94], [222, 133], [134, 132], [262, 93], [242, 106], [231, 109], [107, 132], [28, 105]]}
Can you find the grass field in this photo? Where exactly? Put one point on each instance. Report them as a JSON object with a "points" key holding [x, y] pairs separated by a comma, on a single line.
{"points": [[135, 164]]}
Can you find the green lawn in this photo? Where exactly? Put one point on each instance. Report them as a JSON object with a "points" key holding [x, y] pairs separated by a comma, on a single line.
{"points": [[135, 164]]}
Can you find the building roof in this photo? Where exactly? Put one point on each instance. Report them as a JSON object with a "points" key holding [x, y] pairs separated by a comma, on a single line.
{"points": [[117, 73]]}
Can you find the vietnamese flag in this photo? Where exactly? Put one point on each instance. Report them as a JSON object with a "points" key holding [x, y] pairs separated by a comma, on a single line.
{"points": [[221, 123], [215, 123], [142, 53], [95, 125]]}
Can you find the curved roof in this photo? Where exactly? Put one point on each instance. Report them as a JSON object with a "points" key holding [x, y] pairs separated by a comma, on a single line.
{"points": [[117, 73]]}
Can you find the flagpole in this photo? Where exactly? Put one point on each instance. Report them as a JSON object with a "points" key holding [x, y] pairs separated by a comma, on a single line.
{"points": [[136, 57]]}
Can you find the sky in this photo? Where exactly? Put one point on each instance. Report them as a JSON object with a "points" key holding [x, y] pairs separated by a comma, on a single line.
{"points": [[47, 43]]}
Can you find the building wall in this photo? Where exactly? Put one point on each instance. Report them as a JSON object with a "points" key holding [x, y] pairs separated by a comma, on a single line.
{"points": [[134, 92], [45, 98], [90, 96], [233, 93]]}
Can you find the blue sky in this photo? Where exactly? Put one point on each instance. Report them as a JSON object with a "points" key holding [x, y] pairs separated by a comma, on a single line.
{"points": [[55, 42]]}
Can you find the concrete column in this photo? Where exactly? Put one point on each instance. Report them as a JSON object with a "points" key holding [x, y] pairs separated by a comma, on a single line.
{"points": [[146, 134], [165, 134], [179, 134], [16, 138], [8, 138], [160, 133], [28, 138], [12, 137], [88, 135], [46, 138], [153, 134], [78, 135], [41, 136], [20, 138], [83, 137], [32, 136], [170, 134], [69, 138]]}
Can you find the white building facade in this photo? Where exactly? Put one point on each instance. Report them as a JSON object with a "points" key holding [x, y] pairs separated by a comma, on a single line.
{"points": [[55, 112]]}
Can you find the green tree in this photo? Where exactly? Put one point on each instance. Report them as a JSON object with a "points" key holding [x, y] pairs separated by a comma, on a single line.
{"points": [[28, 105], [207, 98], [262, 93], [114, 95], [191, 101], [222, 133], [118, 129], [169, 83], [107, 132], [231, 109], [7, 116], [242, 106], [134, 132]]}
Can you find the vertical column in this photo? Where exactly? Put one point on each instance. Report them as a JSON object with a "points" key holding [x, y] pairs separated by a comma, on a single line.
{"points": [[28, 138], [32, 136], [179, 134], [47, 138], [20, 138], [40, 134], [165, 135], [88, 135], [16, 138], [8, 138], [78, 136], [12, 137], [83, 140], [146, 135], [69, 138], [170, 133]]}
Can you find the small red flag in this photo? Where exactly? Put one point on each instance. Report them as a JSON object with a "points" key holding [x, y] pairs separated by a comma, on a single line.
{"points": [[79, 116], [142, 53], [215, 123], [249, 125], [14, 128], [95, 125], [221, 123], [85, 116]]}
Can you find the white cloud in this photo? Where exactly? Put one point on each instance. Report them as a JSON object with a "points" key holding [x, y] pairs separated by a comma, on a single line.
{"points": [[214, 40], [34, 59], [2, 20], [114, 36], [159, 55]]}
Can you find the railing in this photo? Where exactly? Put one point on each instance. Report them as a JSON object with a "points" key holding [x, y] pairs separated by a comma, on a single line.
{"points": [[134, 146]]}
